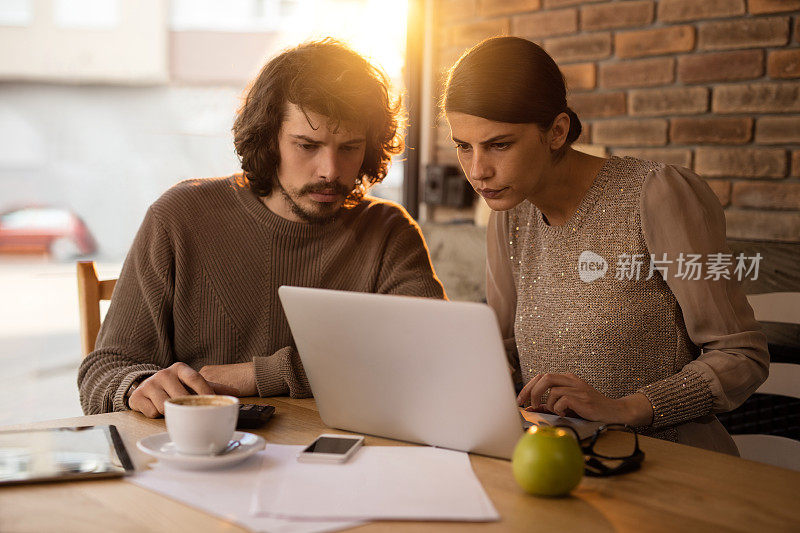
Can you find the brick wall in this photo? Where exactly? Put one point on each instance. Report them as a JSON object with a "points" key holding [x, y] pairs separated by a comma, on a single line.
{"points": [[712, 85]]}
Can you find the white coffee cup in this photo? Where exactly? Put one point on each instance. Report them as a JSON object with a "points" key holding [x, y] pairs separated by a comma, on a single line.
{"points": [[202, 424]]}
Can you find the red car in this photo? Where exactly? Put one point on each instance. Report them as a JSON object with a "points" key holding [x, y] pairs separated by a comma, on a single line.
{"points": [[45, 230]]}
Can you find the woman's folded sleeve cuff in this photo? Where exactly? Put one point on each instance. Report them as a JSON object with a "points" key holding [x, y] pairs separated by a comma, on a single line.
{"points": [[679, 398], [269, 373]]}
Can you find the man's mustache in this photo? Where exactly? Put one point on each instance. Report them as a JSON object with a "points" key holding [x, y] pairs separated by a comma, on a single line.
{"points": [[335, 187]]}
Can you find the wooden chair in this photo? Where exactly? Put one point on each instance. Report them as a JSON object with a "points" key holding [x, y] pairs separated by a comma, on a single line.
{"points": [[783, 381], [91, 291]]}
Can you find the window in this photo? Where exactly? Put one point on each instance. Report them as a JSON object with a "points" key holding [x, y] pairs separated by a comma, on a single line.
{"points": [[86, 14], [16, 12], [233, 15]]}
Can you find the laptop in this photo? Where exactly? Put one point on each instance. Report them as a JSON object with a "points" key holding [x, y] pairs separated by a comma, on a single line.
{"points": [[413, 369]]}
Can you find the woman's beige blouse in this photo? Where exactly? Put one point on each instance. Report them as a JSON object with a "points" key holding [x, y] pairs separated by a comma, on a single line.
{"points": [[692, 346]]}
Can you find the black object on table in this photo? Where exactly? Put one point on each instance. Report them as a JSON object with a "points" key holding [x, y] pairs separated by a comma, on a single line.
{"points": [[254, 416]]}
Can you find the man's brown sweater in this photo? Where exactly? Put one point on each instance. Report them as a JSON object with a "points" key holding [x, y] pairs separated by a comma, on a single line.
{"points": [[200, 285]]}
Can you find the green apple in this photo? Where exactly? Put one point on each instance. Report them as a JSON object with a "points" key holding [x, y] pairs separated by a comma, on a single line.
{"points": [[547, 461]]}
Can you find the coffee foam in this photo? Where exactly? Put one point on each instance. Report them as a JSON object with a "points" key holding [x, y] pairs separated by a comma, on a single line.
{"points": [[201, 401]]}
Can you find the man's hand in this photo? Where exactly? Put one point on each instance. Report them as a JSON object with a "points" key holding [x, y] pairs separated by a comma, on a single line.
{"points": [[177, 380], [241, 376], [570, 396]]}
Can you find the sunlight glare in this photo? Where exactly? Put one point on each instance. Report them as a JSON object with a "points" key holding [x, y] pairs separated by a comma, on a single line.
{"points": [[374, 28]]}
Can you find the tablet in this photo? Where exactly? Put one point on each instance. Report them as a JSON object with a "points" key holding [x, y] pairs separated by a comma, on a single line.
{"points": [[62, 454]]}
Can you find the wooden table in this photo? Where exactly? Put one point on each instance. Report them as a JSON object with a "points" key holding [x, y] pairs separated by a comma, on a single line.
{"points": [[678, 488]]}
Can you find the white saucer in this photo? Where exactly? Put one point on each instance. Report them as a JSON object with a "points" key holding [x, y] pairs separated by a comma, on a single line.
{"points": [[160, 447]]}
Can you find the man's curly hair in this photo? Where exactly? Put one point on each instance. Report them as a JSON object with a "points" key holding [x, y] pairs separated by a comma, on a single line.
{"points": [[324, 77]]}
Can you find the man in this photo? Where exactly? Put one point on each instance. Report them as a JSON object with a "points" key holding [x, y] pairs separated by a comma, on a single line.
{"points": [[196, 308]]}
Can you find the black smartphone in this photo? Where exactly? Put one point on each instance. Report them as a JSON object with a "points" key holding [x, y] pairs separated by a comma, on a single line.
{"points": [[254, 416]]}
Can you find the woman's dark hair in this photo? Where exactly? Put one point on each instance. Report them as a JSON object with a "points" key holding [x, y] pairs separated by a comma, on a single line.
{"points": [[324, 77], [508, 79]]}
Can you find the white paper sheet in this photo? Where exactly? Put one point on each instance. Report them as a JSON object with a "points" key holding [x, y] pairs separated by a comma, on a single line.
{"points": [[378, 482], [228, 494]]}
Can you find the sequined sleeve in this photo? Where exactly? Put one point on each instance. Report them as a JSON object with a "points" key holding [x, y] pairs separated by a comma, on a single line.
{"points": [[501, 292], [681, 216]]}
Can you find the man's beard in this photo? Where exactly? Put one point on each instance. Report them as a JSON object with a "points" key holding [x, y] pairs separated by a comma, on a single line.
{"points": [[306, 215]]}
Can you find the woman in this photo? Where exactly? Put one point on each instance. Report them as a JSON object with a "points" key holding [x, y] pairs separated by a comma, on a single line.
{"points": [[592, 262]]}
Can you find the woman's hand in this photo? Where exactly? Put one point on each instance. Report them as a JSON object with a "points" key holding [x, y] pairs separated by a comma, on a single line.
{"points": [[570, 396]]}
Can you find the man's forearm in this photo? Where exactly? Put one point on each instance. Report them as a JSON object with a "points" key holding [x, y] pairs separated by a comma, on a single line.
{"points": [[104, 379], [241, 376], [281, 373]]}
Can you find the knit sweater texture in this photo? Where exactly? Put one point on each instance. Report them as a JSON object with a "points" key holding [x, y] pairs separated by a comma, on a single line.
{"points": [[199, 285], [691, 346]]}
